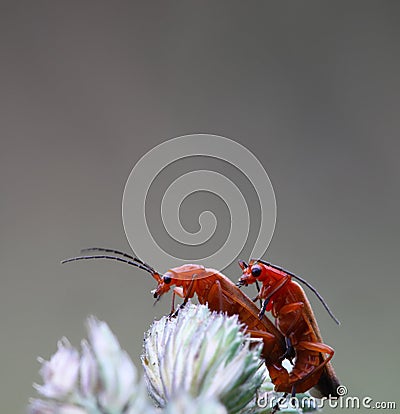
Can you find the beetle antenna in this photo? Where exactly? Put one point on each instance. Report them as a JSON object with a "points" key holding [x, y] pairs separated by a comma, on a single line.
{"points": [[312, 288], [102, 249], [118, 259]]}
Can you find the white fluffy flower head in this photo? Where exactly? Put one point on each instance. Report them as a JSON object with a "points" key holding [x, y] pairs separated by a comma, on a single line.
{"points": [[201, 362], [60, 374], [205, 354], [101, 378]]}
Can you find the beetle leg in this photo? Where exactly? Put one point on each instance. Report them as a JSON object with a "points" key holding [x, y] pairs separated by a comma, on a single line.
{"points": [[271, 292], [312, 347], [190, 291], [188, 295], [287, 322], [290, 352], [172, 303], [318, 347], [272, 289], [293, 392], [257, 297], [176, 291], [179, 291], [268, 337], [263, 309], [269, 344], [258, 291]]}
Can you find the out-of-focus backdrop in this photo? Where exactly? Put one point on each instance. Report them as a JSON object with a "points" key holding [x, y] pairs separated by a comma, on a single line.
{"points": [[87, 88]]}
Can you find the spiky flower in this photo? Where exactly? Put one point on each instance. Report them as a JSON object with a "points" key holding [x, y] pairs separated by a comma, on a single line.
{"points": [[60, 374], [100, 379], [200, 362], [205, 354]]}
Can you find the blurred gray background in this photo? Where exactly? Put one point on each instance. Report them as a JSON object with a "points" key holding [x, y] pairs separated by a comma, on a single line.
{"points": [[87, 88]]}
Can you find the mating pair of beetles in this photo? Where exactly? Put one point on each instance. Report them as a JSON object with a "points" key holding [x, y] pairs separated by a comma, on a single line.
{"points": [[294, 336]]}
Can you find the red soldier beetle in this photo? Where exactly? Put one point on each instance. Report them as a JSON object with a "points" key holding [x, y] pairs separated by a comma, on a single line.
{"points": [[222, 295], [296, 321]]}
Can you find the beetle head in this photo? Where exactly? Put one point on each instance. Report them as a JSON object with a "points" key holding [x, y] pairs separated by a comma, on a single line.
{"points": [[164, 284], [251, 273]]}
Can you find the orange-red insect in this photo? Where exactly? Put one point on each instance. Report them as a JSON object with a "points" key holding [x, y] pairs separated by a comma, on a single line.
{"points": [[221, 294], [215, 290], [296, 321]]}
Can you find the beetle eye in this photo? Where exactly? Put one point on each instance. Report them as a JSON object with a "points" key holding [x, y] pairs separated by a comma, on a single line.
{"points": [[256, 271], [167, 279]]}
